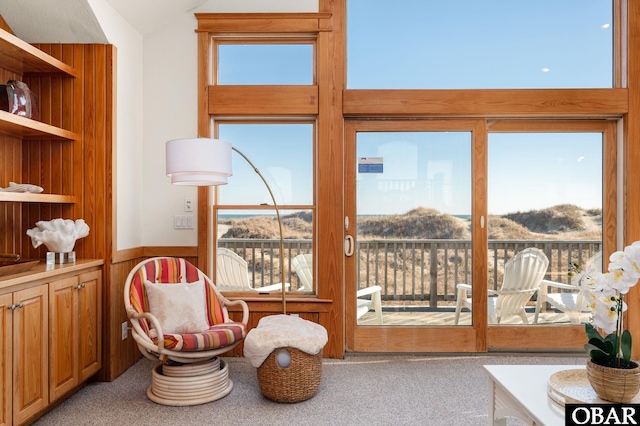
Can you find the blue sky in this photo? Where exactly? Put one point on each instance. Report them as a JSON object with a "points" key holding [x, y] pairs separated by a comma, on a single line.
{"points": [[434, 44], [283, 152], [472, 44]]}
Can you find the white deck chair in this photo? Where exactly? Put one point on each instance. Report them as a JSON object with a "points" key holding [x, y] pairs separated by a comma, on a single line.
{"points": [[522, 276], [302, 265], [568, 299], [232, 274], [364, 305]]}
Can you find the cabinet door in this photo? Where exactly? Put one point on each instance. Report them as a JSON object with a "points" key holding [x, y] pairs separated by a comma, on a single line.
{"points": [[30, 352], [90, 320], [6, 349], [63, 338]]}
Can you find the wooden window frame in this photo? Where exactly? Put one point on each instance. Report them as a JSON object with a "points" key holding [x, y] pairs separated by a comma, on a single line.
{"points": [[335, 104], [245, 101]]}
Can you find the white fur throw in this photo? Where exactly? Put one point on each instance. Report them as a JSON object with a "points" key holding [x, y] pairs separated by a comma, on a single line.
{"points": [[279, 331]]}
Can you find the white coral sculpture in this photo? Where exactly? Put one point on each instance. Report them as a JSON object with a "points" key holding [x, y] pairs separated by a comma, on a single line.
{"points": [[59, 235]]}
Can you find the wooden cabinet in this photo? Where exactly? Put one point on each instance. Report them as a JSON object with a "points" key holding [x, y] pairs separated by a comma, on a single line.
{"points": [[24, 370], [50, 336], [75, 340], [6, 352], [90, 333]]}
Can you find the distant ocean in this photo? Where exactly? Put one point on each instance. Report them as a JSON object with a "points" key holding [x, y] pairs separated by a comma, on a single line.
{"points": [[244, 216]]}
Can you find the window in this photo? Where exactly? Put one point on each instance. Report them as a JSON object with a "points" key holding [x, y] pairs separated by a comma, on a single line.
{"points": [[259, 90], [258, 62], [468, 45], [244, 213], [437, 44]]}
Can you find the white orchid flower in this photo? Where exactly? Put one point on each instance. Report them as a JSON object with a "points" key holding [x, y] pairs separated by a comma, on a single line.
{"points": [[606, 315]]}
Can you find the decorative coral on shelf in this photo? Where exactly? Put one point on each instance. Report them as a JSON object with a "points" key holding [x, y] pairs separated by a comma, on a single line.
{"points": [[59, 235]]}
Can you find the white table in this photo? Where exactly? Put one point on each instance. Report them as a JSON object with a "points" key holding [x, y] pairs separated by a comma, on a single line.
{"points": [[521, 391]]}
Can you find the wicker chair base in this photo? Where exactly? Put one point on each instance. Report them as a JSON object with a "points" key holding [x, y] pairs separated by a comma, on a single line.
{"points": [[189, 384], [297, 382]]}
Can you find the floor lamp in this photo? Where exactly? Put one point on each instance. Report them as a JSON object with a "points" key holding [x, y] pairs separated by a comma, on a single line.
{"points": [[207, 162]]}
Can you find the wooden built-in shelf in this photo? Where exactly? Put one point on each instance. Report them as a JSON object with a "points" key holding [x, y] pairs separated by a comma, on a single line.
{"points": [[26, 128], [27, 197], [21, 57]]}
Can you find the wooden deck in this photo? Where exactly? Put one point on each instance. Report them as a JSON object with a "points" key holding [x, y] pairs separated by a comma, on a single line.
{"points": [[446, 317]]}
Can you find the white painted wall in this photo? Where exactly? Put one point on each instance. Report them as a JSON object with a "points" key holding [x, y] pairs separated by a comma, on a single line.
{"points": [[129, 124], [170, 111]]}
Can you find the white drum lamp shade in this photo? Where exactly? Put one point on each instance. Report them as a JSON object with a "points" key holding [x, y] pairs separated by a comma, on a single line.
{"points": [[198, 161]]}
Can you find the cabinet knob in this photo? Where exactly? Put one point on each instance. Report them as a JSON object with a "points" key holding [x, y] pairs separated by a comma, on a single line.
{"points": [[14, 306], [80, 286]]}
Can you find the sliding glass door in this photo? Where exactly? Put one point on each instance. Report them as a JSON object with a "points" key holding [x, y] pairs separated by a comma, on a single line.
{"points": [[439, 213], [409, 232]]}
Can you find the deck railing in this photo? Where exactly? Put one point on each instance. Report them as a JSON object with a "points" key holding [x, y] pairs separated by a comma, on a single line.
{"points": [[425, 271]]}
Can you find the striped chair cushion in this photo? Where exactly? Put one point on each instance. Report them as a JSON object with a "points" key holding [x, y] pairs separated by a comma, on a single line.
{"points": [[177, 270], [216, 337]]}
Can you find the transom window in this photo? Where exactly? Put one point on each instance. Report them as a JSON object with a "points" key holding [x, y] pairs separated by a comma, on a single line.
{"points": [[260, 62], [435, 44]]}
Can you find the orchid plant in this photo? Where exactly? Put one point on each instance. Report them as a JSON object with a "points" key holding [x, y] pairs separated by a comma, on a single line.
{"points": [[604, 292]]}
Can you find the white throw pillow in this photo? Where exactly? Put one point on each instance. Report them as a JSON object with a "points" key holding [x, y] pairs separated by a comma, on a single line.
{"points": [[180, 308]]}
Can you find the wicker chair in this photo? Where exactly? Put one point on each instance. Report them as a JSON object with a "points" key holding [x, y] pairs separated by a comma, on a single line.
{"points": [[179, 317]]}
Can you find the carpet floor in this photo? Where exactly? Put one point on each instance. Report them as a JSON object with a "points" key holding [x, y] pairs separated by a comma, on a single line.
{"points": [[358, 390]]}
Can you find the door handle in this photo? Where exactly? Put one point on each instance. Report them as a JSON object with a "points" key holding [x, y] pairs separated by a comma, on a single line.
{"points": [[348, 245], [348, 239]]}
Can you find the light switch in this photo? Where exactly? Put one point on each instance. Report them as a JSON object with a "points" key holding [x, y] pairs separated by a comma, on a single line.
{"points": [[183, 221]]}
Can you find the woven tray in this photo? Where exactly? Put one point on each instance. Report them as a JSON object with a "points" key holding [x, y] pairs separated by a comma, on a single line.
{"points": [[572, 387]]}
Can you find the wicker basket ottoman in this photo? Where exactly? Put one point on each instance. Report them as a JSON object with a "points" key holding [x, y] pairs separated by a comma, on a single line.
{"points": [[288, 354], [296, 382]]}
